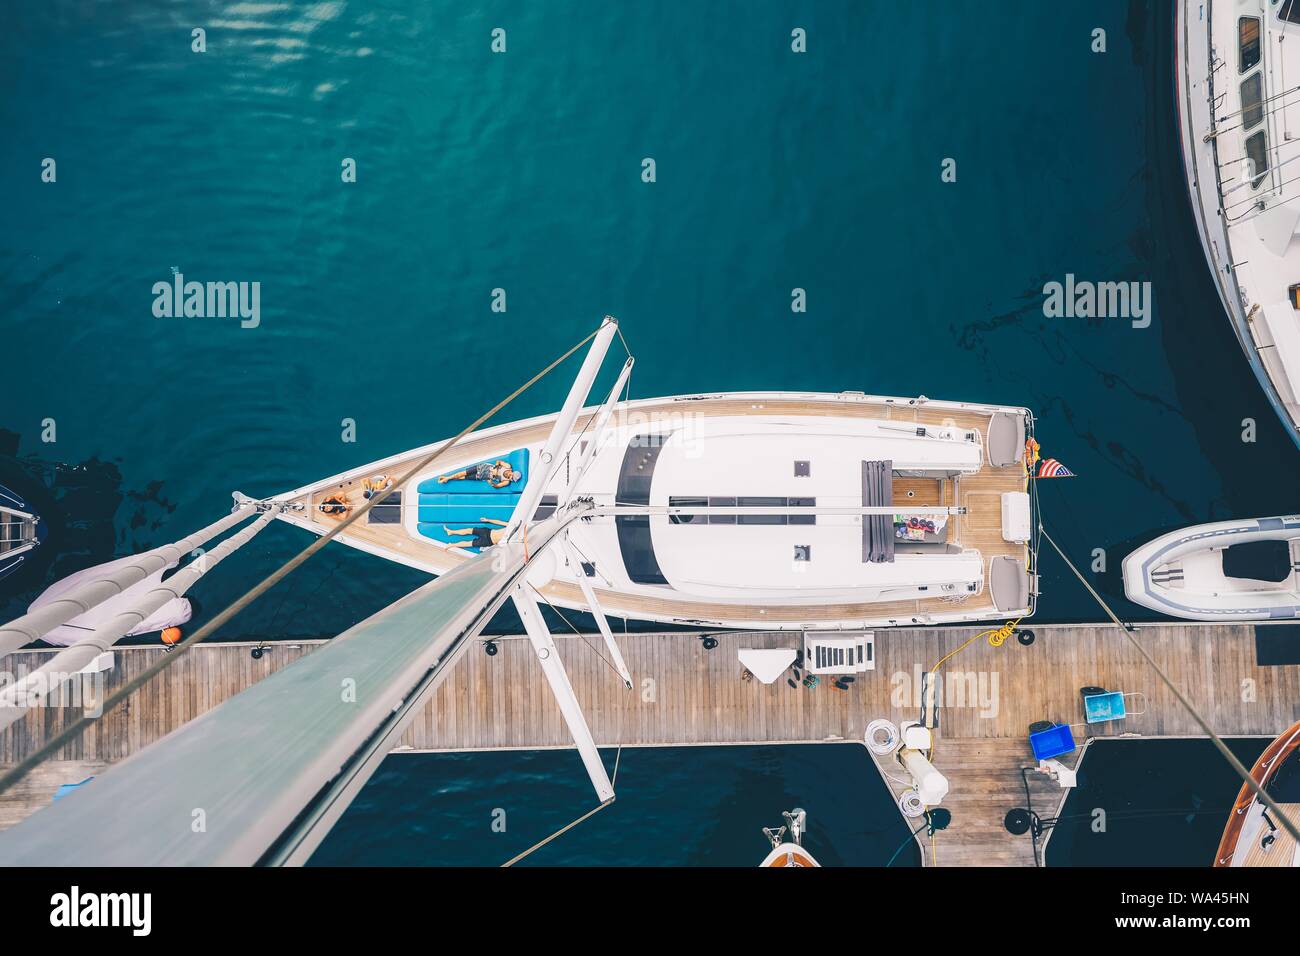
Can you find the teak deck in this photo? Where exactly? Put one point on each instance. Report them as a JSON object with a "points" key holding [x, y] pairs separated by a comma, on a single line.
{"points": [[686, 695], [981, 529]]}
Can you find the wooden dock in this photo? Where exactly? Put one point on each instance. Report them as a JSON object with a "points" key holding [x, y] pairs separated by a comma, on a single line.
{"points": [[686, 695]]}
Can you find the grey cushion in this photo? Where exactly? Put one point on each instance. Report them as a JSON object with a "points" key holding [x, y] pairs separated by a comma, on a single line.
{"points": [[1009, 583], [1006, 439]]}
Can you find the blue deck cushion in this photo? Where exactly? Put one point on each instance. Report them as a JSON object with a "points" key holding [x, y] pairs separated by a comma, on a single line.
{"points": [[435, 532], [517, 459], [466, 509], [1052, 742]]}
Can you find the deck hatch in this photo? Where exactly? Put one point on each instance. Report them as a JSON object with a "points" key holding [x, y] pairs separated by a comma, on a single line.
{"points": [[634, 541]]}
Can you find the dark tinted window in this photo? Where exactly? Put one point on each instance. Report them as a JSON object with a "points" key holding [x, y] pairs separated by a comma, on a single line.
{"points": [[803, 503], [1248, 43], [1252, 100], [722, 503], [1289, 10], [761, 503], [674, 502], [1257, 153]]}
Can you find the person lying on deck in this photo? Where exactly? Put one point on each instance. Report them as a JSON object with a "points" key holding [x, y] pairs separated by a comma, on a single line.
{"points": [[335, 504], [484, 537], [498, 474]]}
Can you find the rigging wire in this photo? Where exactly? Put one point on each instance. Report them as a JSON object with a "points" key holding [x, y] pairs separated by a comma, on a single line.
{"points": [[618, 753], [77, 727], [558, 833], [1228, 755]]}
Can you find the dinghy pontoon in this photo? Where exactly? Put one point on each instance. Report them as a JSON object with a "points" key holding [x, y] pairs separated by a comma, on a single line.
{"points": [[1226, 571]]}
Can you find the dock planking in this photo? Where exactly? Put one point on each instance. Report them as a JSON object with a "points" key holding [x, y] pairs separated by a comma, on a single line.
{"points": [[687, 695]]}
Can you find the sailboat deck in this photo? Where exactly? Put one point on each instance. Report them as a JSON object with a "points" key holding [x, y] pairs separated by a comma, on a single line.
{"points": [[980, 529]]}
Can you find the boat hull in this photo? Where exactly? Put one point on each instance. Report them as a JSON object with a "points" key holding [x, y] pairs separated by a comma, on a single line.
{"points": [[706, 595], [1236, 263]]}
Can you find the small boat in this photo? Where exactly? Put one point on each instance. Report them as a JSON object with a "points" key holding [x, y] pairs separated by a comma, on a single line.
{"points": [[789, 852], [755, 510], [21, 531], [1236, 96], [1246, 570], [1252, 836]]}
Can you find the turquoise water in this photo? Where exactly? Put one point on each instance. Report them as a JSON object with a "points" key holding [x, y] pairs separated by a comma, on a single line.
{"points": [[522, 171]]}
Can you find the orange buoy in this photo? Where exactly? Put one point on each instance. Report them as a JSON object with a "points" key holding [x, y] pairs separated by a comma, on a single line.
{"points": [[171, 636]]}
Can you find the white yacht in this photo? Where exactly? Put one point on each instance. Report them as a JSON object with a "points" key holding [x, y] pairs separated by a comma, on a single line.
{"points": [[1238, 93], [751, 510], [1247, 570]]}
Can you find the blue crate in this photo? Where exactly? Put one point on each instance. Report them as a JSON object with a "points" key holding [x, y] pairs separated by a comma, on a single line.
{"points": [[1102, 707], [1052, 742]]}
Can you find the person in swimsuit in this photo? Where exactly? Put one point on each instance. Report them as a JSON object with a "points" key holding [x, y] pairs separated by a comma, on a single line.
{"points": [[484, 537], [335, 504], [498, 474]]}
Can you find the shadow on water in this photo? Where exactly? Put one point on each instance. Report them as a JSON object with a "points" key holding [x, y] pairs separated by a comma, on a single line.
{"points": [[79, 506]]}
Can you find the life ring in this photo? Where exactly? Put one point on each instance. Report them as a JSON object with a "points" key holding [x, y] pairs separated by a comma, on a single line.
{"points": [[910, 804], [882, 737]]}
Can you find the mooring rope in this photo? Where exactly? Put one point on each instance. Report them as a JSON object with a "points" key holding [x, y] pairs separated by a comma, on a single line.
{"points": [[1228, 755], [77, 727]]}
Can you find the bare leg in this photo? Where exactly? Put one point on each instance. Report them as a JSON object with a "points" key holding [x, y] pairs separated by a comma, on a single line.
{"points": [[443, 479], [452, 545], [455, 531]]}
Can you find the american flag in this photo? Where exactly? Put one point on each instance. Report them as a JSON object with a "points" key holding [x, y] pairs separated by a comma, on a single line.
{"points": [[1051, 468]]}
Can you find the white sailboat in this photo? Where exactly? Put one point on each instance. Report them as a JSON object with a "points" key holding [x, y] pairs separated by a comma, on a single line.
{"points": [[1237, 99], [751, 510], [755, 509], [1245, 570]]}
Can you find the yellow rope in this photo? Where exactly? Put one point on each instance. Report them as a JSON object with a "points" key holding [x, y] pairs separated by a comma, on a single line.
{"points": [[997, 637]]}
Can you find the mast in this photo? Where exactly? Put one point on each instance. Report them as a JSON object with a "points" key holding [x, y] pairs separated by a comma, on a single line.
{"points": [[549, 457]]}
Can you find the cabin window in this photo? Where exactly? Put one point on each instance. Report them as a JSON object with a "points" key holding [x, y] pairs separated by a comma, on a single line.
{"points": [[722, 503], [679, 502], [803, 503], [1247, 43], [1252, 100], [1289, 12], [761, 503], [689, 501], [1257, 153]]}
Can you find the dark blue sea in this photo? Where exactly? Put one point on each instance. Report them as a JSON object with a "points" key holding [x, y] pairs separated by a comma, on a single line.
{"points": [[522, 171]]}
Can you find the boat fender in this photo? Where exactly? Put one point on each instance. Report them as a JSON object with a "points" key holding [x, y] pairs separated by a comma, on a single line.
{"points": [[171, 635]]}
